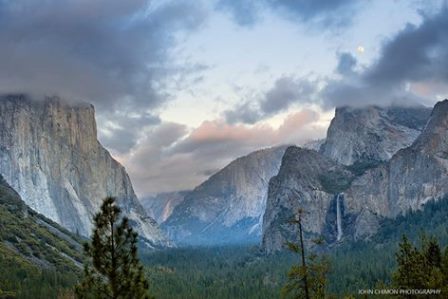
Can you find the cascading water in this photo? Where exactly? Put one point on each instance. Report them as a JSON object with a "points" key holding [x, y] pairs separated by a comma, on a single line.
{"points": [[338, 218]]}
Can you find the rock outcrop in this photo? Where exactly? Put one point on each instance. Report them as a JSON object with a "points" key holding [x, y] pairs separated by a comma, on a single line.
{"points": [[309, 181], [413, 175], [50, 154], [372, 134], [410, 179], [229, 206]]}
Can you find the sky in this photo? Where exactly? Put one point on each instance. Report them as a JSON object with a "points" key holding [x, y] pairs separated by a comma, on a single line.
{"points": [[181, 88]]}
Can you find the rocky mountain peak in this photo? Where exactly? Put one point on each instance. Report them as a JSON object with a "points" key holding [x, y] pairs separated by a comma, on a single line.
{"points": [[359, 135]]}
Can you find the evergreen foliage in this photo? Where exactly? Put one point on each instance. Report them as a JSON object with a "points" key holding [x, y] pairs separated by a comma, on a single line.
{"points": [[113, 269], [38, 258], [420, 268], [245, 272], [226, 272]]}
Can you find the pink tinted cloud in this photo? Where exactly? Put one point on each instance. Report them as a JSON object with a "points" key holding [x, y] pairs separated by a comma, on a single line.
{"points": [[185, 160]]}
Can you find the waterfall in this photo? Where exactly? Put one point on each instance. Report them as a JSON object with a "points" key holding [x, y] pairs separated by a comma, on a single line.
{"points": [[338, 218]]}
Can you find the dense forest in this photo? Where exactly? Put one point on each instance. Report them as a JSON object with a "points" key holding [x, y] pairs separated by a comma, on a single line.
{"points": [[245, 272], [239, 272]]}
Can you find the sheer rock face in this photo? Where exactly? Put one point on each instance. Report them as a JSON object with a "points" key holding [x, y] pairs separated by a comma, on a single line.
{"points": [[50, 154], [372, 134], [413, 176], [307, 180], [229, 206]]}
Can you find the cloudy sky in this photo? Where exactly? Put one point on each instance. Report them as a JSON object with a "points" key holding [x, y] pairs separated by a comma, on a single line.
{"points": [[183, 87]]}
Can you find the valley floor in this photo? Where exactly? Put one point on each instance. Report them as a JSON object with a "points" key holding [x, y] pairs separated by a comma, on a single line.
{"points": [[245, 271]]}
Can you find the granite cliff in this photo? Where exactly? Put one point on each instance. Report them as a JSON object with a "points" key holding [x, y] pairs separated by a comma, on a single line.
{"points": [[229, 206], [50, 154], [309, 181], [373, 134], [407, 168], [411, 178]]}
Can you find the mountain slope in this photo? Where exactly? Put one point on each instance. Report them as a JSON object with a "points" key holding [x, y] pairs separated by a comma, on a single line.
{"points": [[229, 206], [370, 135], [50, 154], [33, 248]]}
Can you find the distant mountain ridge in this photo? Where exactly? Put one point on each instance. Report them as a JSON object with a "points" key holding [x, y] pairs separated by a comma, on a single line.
{"points": [[50, 154], [161, 206]]}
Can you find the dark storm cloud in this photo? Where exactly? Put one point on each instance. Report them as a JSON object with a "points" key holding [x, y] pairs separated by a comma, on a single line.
{"points": [[285, 92], [416, 56], [320, 12], [416, 53], [120, 131], [109, 52], [112, 53]]}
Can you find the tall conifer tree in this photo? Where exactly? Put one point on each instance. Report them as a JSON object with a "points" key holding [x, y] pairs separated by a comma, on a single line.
{"points": [[308, 278], [112, 269]]}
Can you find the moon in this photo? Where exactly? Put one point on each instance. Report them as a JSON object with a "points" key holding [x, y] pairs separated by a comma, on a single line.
{"points": [[360, 49]]}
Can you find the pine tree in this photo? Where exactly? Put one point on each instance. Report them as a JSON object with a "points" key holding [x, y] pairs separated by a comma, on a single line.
{"points": [[422, 268], [307, 279], [112, 269], [433, 258], [433, 253]]}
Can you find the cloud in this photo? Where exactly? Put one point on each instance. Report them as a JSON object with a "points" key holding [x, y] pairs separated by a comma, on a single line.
{"points": [[244, 12], [108, 52], [285, 92], [346, 64], [326, 13], [170, 158], [416, 57], [114, 54], [245, 113], [120, 130]]}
